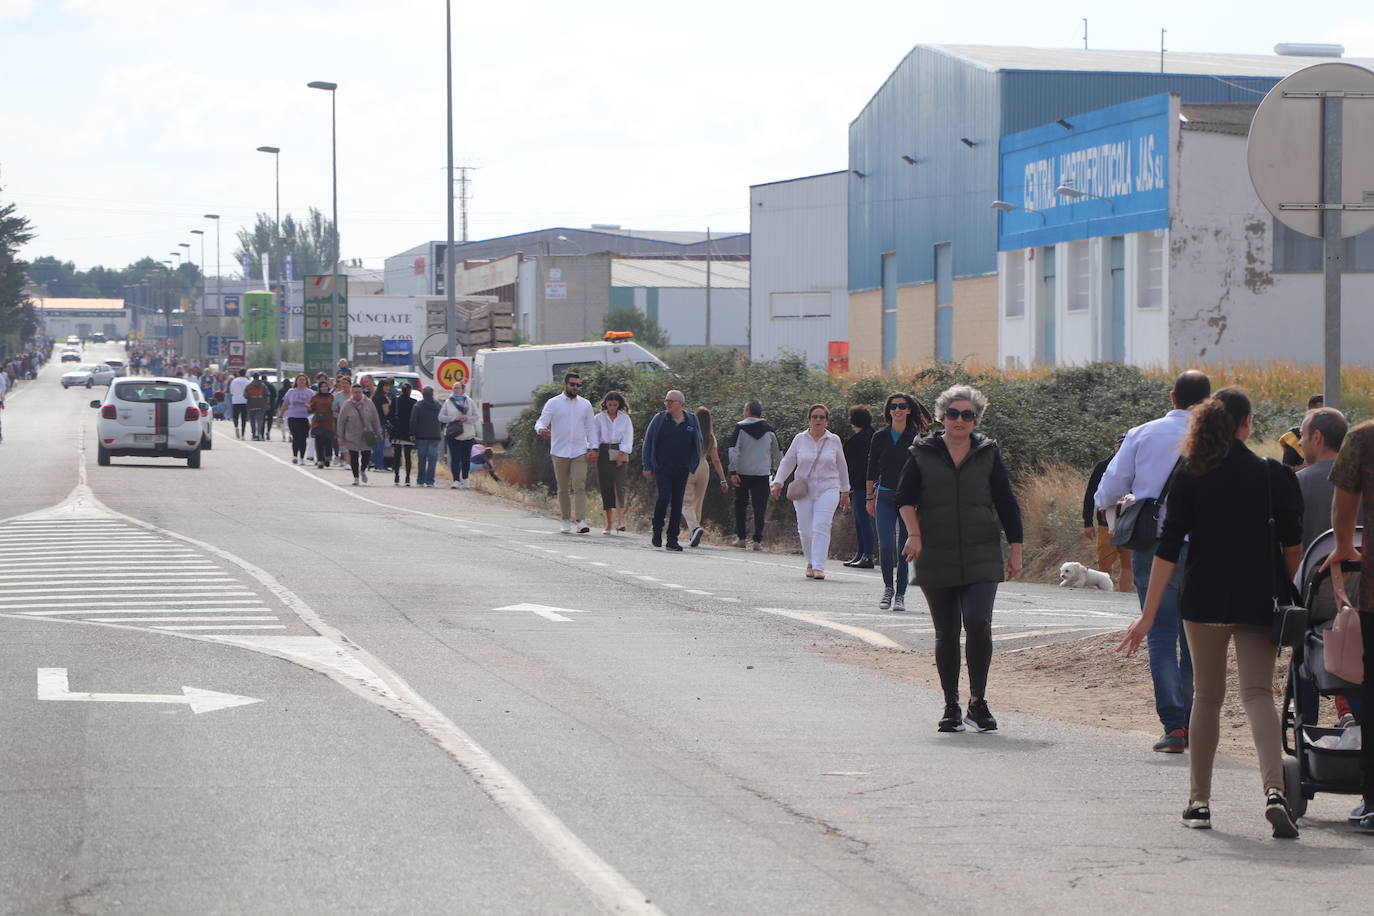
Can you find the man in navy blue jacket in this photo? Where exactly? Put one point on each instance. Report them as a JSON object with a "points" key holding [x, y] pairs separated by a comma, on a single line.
{"points": [[672, 450]]}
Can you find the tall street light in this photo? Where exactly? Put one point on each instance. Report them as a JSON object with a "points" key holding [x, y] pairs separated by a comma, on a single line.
{"points": [[334, 171], [219, 291], [199, 318], [276, 249], [450, 294]]}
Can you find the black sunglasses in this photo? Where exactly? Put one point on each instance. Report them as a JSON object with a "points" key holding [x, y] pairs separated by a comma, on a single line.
{"points": [[968, 416], [898, 405]]}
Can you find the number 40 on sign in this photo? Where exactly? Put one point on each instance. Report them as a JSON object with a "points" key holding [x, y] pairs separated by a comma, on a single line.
{"points": [[450, 372]]}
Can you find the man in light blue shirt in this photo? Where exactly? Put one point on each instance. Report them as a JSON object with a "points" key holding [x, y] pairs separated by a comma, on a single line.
{"points": [[1142, 467]]}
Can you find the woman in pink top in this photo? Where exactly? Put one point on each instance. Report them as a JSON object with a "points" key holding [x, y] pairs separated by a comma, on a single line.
{"points": [[817, 457]]}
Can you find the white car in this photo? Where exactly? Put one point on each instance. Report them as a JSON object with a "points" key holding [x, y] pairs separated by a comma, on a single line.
{"points": [[151, 418], [88, 376], [71, 355]]}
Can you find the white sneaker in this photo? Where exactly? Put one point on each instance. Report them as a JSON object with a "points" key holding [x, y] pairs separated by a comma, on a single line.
{"points": [[567, 526], [455, 486], [583, 526], [364, 476]]}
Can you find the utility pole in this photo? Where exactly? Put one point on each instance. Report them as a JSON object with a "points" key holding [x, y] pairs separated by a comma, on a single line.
{"points": [[450, 295], [1161, 49], [463, 198], [1085, 33]]}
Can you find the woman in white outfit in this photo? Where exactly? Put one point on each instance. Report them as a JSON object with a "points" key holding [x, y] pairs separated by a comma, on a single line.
{"points": [[615, 436], [817, 457]]}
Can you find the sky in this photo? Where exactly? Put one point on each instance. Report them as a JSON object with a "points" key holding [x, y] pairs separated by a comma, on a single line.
{"points": [[125, 121]]}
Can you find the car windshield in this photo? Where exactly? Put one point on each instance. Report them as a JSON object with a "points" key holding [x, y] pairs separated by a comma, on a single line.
{"points": [[89, 368], [150, 392]]}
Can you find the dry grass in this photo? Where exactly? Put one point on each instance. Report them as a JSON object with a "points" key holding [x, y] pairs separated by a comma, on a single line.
{"points": [[1052, 515]]}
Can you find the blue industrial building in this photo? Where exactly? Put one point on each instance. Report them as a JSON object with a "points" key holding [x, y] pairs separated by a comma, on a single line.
{"points": [[924, 170]]}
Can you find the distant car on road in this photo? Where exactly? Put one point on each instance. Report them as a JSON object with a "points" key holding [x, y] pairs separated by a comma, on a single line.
{"points": [[151, 418], [118, 366], [88, 376], [97, 337], [71, 355]]}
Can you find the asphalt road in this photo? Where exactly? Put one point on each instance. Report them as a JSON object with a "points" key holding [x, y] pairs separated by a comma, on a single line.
{"points": [[434, 701]]}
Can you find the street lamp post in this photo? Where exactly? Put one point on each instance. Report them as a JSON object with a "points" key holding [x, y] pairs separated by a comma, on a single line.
{"points": [[276, 248], [450, 293], [219, 291], [199, 321], [332, 88]]}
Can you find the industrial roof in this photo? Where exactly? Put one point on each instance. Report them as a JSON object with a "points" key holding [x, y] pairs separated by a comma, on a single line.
{"points": [[992, 57], [1218, 117], [103, 305], [651, 272]]}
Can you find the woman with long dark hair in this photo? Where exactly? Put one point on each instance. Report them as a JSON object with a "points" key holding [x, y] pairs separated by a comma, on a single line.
{"points": [[856, 459], [402, 445], [904, 419], [694, 500], [1242, 516], [615, 435]]}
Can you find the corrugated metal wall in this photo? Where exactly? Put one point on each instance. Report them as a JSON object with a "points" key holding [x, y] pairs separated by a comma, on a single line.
{"points": [[930, 102]]}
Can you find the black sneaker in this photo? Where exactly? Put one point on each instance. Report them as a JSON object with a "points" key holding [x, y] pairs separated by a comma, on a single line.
{"points": [[696, 536], [952, 720], [1173, 742], [886, 601], [1280, 817], [1197, 816], [674, 546], [657, 539], [1360, 812], [980, 717]]}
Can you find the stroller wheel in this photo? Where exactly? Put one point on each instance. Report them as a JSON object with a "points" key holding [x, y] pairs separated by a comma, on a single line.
{"points": [[1292, 786]]}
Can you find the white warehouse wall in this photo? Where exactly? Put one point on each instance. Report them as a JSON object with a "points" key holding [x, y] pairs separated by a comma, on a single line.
{"points": [[798, 250]]}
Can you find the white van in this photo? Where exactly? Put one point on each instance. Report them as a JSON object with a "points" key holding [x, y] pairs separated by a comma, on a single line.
{"points": [[504, 377]]}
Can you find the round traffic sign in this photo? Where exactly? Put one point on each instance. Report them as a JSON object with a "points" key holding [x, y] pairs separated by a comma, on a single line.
{"points": [[451, 371], [1285, 147]]}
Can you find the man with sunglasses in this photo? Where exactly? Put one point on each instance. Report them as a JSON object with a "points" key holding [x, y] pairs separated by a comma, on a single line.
{"points": [[672, 451], [568, 422]]}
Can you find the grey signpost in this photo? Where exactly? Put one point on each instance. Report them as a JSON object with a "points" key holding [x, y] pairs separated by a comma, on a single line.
{"points": [[1310, 163]]}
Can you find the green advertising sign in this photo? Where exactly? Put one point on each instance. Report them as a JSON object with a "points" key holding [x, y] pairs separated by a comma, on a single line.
{"points": [[259, 317], [319, 323]]}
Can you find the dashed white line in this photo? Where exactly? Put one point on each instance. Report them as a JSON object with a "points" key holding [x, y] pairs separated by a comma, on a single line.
{"points": [[697, 591], [872, 637], [232, 626], [167, 619]]}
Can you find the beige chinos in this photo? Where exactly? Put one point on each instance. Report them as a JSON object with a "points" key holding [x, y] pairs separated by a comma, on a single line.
{"points": [[571, 474]]}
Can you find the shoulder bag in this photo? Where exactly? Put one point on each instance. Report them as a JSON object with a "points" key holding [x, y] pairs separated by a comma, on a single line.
{"points": [[1289, 622], [1137, 526], [800, 488]]}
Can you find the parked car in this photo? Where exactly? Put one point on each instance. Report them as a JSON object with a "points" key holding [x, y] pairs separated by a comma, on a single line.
{"points": [[400, 378], [88, 376], [118, 366], [97, 337], [151, 418], [71, 355]]}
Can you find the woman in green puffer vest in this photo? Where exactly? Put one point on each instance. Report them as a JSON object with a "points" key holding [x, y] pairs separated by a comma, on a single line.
{"points": [[956, 500]]}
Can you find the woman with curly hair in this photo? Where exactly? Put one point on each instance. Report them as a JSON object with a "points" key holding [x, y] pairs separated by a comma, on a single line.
{"points": [[1242, 516]]}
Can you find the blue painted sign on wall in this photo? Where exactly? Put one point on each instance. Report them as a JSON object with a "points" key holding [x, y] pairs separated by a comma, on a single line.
{"points": [[1118, 157]]}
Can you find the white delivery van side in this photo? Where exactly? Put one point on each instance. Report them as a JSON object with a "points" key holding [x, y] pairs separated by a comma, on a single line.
{"points": [[503, 377]]}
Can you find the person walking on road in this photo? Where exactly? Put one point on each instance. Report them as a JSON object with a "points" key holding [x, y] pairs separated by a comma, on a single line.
{"points": [[382, 400], [1352, 474], [856, 459], [567, 422], [427, 433], [258, 399], [694, 499], [295, 409], [1242, 517], [1322, 433], [672, 451], [904, 419], [343, 391], [1095, 528], [402, 444], [359, 429], [753, 454], [459, 416], [274, 396], [816, 455], [238, 402], [1143, 467], [322, 424], [615, 435], [952, 494]]}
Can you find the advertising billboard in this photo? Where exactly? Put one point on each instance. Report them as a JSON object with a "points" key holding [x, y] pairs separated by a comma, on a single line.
{"points": [[1102, 173]]}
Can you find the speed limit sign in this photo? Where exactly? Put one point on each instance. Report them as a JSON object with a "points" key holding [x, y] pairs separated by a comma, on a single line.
{"points": [[450, 372]]}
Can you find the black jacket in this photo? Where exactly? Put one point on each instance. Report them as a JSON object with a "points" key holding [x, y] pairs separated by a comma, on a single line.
{"points": [[887, 458], [399, 418], [856, 458], [424, 419], [1231, 553]]}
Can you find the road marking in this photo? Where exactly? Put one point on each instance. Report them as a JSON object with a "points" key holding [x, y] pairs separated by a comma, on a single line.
{"points": [[731, 600], [232, 626], [871, 637], [1005, 636], [644, 578], [573, 556], [138, 607], [672, 585], [103, 575], [543, 610], [595, 563], [66, 591], [697, 591], [627, 572], [169, 619], [53, 685]]}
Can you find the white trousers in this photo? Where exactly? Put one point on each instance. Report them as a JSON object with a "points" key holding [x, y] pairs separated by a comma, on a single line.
{"points": [[814, 517]]}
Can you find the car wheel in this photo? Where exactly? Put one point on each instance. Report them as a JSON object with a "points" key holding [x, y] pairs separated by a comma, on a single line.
{"points": [[193, 459], [102, 457], [205, 443]]}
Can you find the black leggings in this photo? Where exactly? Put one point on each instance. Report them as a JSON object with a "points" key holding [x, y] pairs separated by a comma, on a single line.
{"points": [[240, 417], [300, 432], [971, 605], [355, 458], [398, 449]]}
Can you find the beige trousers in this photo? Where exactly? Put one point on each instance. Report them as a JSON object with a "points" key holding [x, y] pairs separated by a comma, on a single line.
{"points": [[695, 497], [1255, 660], [571, 474]]}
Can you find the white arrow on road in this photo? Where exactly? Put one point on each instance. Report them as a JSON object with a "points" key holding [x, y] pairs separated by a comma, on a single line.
{"points": [[53, 685], [543, 610]]}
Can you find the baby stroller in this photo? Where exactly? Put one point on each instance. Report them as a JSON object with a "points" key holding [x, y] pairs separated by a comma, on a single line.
{"points": [[1318, 759], [219, 406]]}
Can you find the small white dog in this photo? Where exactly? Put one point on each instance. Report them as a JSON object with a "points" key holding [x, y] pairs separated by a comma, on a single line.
{"points": [[1076, 575]]}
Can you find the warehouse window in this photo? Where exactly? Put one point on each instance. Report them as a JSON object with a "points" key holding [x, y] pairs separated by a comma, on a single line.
{"points": [[1016, 284], [1150, 270], [1080, 277], [799, 305]]}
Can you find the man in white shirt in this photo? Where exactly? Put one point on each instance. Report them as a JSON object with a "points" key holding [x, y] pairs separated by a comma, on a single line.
{"points": [[567, 422], [238, 400], [1142, 467]]}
